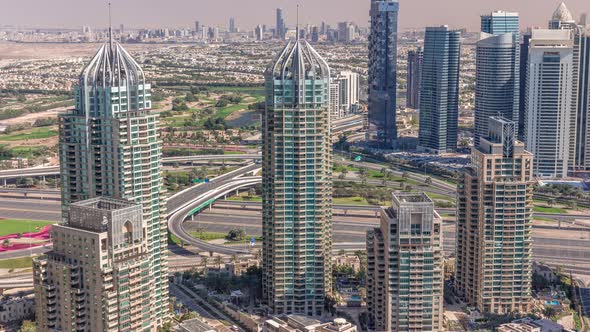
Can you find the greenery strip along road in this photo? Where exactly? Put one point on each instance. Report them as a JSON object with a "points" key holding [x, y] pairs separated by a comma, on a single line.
{"points": [[18, 226]]}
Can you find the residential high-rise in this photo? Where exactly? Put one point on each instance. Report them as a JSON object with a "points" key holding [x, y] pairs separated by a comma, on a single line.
{"points": [[197, 27], [335, 108], [97, 276], [497, 78], [414, 76], [258, 32], [296, 182], [232, 24], [579, 145], [109, 146], [405, 267], [494, 223], [549, 101], [280, 28], [315, 34], [439, 93], [382, 78], [349, 83]]}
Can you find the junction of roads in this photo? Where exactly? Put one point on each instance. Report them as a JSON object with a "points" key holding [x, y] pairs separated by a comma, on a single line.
{"points": [[564, 244]]}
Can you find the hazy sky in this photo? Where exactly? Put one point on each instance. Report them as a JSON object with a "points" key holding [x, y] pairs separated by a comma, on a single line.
{"points": [[248, 13]]}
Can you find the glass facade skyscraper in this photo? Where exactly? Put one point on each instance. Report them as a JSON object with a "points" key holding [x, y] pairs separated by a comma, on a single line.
{"points": [[497, 79], [439, 95], [500, 22], [296, 182], [383, 72]]}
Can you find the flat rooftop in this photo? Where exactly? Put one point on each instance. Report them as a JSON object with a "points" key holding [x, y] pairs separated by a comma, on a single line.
{"points": [[104, 204]]}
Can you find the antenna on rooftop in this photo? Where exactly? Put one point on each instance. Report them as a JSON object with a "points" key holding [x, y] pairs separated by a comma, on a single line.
{"points": [[297, 25], [110, 29]]}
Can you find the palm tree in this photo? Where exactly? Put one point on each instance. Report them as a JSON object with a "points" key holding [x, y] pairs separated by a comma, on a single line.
{"points": [[218, 262], [204, 261]]}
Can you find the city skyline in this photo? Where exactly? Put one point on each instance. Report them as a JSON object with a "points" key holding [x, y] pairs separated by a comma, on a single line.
{"points": [[412, 15]]}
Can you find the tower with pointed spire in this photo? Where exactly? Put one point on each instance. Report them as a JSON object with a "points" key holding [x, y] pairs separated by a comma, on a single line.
{"points": [[562, 18], [296, 182], [110, 146]]}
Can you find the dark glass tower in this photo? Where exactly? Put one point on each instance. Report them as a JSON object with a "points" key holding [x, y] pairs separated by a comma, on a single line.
{"points": [[439, 96], [414, 76], [497, 87], [382, 72]]}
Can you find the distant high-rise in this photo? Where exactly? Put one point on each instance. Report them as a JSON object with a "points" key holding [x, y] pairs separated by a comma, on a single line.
{"points": [[232, 24], [197, 27], [297, 182], [549, 101], [109, 146], [382, 78], [500, 22], [315, 34], [349, 84], [97, 277], [258, 32], [562, 19], [414, 76], [497, 78], [335, 109], [405, 267], [280, 28], [579, 145], [439, 93], [494, 223]]}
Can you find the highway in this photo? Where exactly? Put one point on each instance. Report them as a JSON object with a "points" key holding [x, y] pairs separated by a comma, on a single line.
{"points": [[54, 170]]}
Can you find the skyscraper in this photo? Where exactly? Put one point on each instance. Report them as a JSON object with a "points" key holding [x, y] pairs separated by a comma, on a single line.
{"points": [[439, 95], [497, 78], [232, 24], [197, 27], [414, 76], [97, 277], [562, 18], [494, 223], [405, 267], [258, 32], [579, 145], [280, 28], [349, 84], [296, 182], [549, 101], [382, 78], [109, 146]]}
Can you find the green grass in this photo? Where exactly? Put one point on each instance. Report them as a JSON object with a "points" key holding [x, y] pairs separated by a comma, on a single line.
{"points": [[226, 111], [208, 236], [174, 239], [245, 198], [547, 209], [355, 200], [245, 90], [176, 121], [16, 263], [27, 151], [543, 219], [441, 197], [36, 133], [15, 226]]}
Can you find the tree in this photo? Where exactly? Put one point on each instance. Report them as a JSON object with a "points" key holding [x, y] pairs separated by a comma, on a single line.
{"points": [[204, 261], [236, 235], [6, 243], [218, 261], [428, 180], [190, 97], [27, 326], [405, 175], [551, 201]]}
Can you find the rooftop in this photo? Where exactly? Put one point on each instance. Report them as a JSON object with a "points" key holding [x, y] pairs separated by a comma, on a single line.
{"points": [[104, 204]]}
